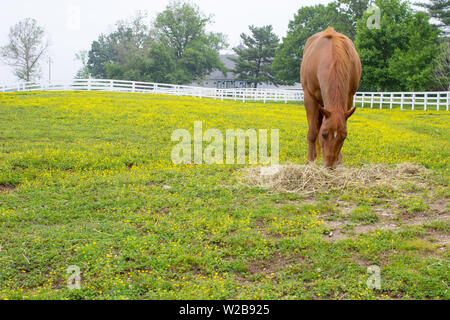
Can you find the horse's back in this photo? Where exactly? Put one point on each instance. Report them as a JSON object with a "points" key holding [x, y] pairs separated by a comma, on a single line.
{"points": [[316, 55], [318, 58]]}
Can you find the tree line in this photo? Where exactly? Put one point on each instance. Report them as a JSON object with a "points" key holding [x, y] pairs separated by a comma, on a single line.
{"points": [[407, 50]]}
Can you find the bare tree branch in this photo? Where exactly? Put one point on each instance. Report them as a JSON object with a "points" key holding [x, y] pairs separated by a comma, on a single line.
{"points": [[442, 71], [25, 49]]}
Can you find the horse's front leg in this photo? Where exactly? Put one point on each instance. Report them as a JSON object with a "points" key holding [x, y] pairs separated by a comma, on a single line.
{"points": [[314, 123], [339, 161], [312, 137]]}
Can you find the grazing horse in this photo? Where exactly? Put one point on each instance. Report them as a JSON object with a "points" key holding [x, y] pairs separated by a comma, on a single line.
{"points": [[330, 75]]}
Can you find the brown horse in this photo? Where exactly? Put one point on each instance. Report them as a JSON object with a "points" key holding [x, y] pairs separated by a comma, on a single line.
{"points": [[330, 75]]}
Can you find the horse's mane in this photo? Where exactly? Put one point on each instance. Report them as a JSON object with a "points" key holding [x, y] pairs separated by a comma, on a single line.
{"points": [[338, 82]]}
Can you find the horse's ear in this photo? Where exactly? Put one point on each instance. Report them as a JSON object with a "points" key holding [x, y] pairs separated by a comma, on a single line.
{"points": [[349, 113], [325, 112]]}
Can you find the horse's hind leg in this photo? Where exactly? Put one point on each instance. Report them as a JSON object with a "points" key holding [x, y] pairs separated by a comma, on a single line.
{"points": [[314, 122]]}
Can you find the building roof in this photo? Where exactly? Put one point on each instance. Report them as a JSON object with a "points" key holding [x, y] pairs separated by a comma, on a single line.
{"points": [[229, 64]]}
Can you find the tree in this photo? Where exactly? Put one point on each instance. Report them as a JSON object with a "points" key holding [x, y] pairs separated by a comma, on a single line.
{"points": [[440, 10], [26, 48], [101, 52], [394, 56], [307, 22], [123, 54], [83, 73], [376, 46], [413, 67], [442, 70], [255, 56], [354, 9], [191, 52], [177, 49], [165, 71]]}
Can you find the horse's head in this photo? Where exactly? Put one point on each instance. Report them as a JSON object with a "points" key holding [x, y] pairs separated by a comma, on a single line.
{"points": [[332, 135]]}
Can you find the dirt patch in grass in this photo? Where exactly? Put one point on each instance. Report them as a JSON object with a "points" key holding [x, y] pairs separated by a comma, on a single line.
{"points": [[260, 223], [261, 228], [305, 201], [276, 263], [342, 229], [341, 225], [7, 188], [439, 237], [440, 205]]}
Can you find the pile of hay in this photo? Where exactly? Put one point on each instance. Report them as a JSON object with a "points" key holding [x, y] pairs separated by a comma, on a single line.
{"points": [[312, 178]]}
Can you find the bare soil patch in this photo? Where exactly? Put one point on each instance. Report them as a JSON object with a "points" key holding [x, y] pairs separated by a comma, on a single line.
{"points": [[342, 229], [274, 264], [440, 205], [7, 188]]}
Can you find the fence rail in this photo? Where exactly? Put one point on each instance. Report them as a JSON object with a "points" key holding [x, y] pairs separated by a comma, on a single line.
{"points": [[403, 100]]}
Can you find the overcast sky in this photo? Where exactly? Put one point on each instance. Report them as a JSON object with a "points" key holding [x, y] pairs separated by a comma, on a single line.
{"points": [[70, 32]]}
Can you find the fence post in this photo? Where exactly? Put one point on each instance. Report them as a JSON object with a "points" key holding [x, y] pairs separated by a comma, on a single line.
{"points": [[425, 100], [89, 84], [381, 100], [448, 100], [391, 98], [438, 101], [371, 100], [413, 100], [401, 101]]}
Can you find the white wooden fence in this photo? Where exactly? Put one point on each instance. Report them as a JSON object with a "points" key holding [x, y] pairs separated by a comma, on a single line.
{"points": [[436, 100], [404, 100]]}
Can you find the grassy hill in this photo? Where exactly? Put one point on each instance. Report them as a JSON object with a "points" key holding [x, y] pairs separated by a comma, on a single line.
{"points": [[86, 179]]}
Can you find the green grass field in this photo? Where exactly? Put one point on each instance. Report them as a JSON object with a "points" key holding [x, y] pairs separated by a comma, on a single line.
{"points": [[86, 179]]}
